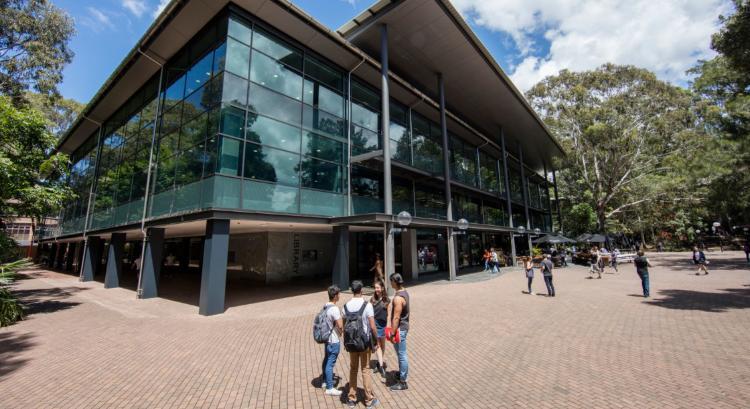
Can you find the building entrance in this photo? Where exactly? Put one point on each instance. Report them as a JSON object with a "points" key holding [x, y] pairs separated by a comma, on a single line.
{"points": [[432, 251]]}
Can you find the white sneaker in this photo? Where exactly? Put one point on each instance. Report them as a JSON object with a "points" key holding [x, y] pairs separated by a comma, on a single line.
{"points": [[323, 385], [532, 293], [333, 392]]}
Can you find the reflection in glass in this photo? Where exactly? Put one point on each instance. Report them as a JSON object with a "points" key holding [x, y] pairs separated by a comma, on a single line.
{"points": [[274, 133], [267, 72], [272, 165]]}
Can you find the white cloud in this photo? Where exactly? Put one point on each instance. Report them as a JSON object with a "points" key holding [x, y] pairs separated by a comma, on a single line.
{"points": [[137, 7], [160, 7], [97, 20], [665, 36]]}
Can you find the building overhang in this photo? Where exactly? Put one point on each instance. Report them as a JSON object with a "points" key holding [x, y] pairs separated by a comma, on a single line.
{"points": [[427, 37]]}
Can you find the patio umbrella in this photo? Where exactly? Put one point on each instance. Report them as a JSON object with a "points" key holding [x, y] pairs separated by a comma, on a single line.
{"points": [[547, 239], [596, 238], [583, 237], [564, 239]]}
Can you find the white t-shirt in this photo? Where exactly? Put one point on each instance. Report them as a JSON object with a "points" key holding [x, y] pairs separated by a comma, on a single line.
{"points": [[333, 314], [355, 304]]}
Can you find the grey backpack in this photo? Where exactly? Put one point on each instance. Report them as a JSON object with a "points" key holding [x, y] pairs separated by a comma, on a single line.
{"points": [[321, 326]]}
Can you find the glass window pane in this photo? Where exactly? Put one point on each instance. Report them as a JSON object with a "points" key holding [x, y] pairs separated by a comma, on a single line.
{"points": [[199, 73], [323, 122], [323, 98], [324, 74], [277, 50], [238, 58], [270, 197], [267, 72], [272, 165], [235, 90], [168, 144], [228, 156], [364, 140], [240, 31], [232, 121], [189, 166], [323, 203], [220, 58], [401, 145], [266, 102], [170, 120], [322, 175], [323, 148], [194, 132], [164, 174], [365, 96], [270, 132], [363, 116], [174, 93]]}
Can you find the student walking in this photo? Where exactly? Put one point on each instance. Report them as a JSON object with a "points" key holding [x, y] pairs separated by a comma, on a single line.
{"points": [[699, 258], [359, 341], [641, 267], [378, 268], [615, 253], [528, 267], [328, 327], [380, 305], [547, 273], [398, 330], [746, 248], [494, 260], [595, 259], [486, 258]]}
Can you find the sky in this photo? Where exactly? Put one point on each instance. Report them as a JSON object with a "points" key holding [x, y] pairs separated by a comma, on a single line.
{"points": [[530, 39]]}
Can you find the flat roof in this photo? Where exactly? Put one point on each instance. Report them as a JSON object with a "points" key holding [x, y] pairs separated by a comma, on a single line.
{"points": [[466, 99]]}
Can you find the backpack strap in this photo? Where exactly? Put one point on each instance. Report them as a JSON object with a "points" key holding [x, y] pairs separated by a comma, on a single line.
{"points": [[364, 305]]}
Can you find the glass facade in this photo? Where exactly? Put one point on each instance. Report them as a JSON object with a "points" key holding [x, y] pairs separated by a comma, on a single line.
{"points": [[247, 120]]}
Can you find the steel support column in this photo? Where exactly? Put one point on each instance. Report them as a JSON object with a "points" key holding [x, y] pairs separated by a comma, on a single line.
{"points": [[341, 256], [214, 269], [557, 201], [506, 177], [390, 256], [91, 258], [525, 189], [70, 258], [114, 260], [148, 280], [447, 176]]}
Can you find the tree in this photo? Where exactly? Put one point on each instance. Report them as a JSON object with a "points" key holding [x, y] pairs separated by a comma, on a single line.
{"points": [[724, 81], [34, 37], [32, 180], [60, 113], [622, 129]]}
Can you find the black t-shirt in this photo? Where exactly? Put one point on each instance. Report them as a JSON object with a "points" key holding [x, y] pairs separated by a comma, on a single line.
{"points": [[641, 264], [380, 310]]}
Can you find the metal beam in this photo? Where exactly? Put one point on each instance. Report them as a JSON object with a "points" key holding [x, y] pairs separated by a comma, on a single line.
{"points": [[506, 177], [447, 182], [557, 201]]}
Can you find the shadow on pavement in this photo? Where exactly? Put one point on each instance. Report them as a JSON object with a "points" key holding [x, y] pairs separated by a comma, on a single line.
{"points": [[732, 298], [11, 344], [46, 300]]}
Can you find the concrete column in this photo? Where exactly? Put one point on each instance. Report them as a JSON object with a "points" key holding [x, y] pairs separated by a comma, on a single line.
{"points": [[409, 251], [341, 256], [214, 270], [72, 255], [512, 249], [79, 255], [557, 201], [524, 189], [184, 255], [506, 178], [451, 242], [151, 263], [91, 258], [388, 242], [114, 260], [60, 255]]}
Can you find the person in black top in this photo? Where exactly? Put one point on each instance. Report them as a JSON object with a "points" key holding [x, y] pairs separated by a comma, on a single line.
{"points": [[641, 267], [398, 329], [380, 304]]}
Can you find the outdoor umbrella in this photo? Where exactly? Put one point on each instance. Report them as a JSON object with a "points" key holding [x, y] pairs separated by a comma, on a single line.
{"points": [[564, 239], [596, 238], [583, 237], [547, 239]]}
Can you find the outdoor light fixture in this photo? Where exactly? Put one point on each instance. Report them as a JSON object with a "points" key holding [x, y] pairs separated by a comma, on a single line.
{"points": [[521, 229], [697, 232], [462, 224], [404, 218], [537, 231], [717, 224]]}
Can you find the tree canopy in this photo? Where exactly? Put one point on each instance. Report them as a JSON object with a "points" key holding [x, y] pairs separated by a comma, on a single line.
{"points": [[34, 36]]}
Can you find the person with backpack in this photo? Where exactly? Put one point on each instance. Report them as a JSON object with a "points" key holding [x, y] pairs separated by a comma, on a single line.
{"points": [[699, 258], [396, 333], [547, 273], [359, 341], [327, 330], [641, 268]]}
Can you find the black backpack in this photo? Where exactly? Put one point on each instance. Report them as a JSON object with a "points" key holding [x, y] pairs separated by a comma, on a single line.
{"points": [[355, 339]]}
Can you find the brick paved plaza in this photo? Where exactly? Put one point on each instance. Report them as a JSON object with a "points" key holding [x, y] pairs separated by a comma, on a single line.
{"points": [[477, 343]]}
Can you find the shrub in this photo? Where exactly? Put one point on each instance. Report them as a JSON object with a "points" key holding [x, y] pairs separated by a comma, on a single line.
{"points": [[8, 248]]}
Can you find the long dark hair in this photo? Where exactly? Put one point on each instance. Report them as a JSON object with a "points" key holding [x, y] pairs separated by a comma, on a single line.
{"points": [[383, 293]]}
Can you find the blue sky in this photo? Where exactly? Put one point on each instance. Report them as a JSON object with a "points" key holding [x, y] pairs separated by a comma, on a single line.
{"points": [[530, 39]]}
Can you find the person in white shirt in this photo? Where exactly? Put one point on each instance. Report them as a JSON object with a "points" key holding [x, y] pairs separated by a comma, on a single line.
{"points": [[333, 346], [361, 359]]}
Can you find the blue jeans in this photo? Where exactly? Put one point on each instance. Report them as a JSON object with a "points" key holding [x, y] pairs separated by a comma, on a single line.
{"points": [[645, 285], [403, 360], [550, 286], [332, 353]]}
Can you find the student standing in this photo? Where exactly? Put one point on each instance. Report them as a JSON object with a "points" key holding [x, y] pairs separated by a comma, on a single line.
{"points": [[494, 260], [547, 273], [380, 305], [378, 268], [333, 346], [746, 248], [399, 328], [641, 267], [486, 258], [359, 341], [528, 267]]}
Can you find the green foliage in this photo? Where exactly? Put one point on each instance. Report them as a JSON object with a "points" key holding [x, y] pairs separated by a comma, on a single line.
{"points": [[10, 310], [8, 248], [60, 113], [32, 181], [536, 251], [627, 135], [34, 37], [578, 219]]}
